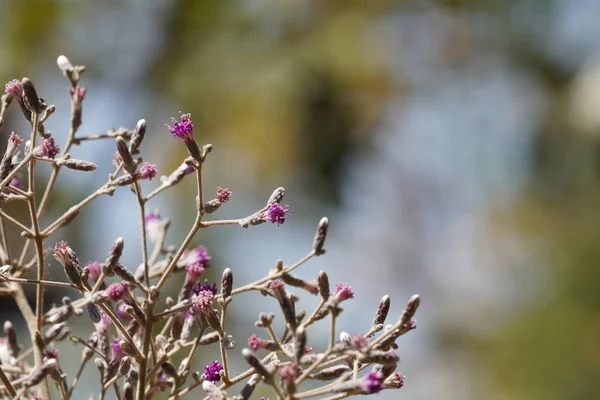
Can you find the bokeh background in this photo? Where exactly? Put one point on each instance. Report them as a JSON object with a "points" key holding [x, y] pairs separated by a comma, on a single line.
{"points": [[453, 144]]}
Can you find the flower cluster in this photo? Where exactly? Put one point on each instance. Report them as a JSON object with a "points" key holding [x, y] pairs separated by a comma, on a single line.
{"points": [[143, 337]]}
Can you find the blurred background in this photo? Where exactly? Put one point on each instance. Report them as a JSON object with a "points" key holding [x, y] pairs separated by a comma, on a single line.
{"points": [[453, 144]]}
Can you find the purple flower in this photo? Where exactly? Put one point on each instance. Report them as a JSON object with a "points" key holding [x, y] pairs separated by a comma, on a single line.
{"points": [[276, 213], [15, 89], [343, 291], [197, 261], [184, 128], [372, 382], [206, 286], [212, 372], [255, 342], [223, 195], [148, 171], [360, 342], [117, 291], [47, 148], [203, 301], [95, 268], [153, 226], [15, 139], [288, 373], [396, 380]]}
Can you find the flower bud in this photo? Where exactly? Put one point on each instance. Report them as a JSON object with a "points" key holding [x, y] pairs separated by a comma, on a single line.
{"points": [[324, 289], [249, 387], [258, 365], [331, 373], [139, 132], [299, 344], [94, 312], [226, 283], [67, 257], [114, 256], [37, 376], [126, 157], [76, 164], [409, 311], [320, 236], [382, 310], [11, 337], [276, 196], [124, 366], [30, 96]]}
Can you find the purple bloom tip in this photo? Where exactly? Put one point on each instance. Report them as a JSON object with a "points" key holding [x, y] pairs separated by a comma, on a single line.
{"points": [[183, 128], [148, 171], [212, 372], [343, 291], [206, 287], [276, 213], [372, 383]]}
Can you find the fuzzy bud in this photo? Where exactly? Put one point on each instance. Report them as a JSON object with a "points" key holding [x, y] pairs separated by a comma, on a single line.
{"points": [[249, 387], [323, 282], [114, 256], [299, 344], [94, 312], [30, 97], [126, 157], [382, 310], [124, 366], [76, 164], [258, 365], [226, 283], [11, 337], [331, 373], [139, 132], [409, 311], [67, 257], [276, 196], [320, 236], [37, 376]]}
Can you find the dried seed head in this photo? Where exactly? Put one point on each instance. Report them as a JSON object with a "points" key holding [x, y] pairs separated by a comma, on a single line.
{"points": [[139, 132], [320, 236], [126, 157], [324, 289]]}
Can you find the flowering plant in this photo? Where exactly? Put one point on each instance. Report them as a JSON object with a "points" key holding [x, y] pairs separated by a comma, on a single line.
{"points": [[134, 359]]}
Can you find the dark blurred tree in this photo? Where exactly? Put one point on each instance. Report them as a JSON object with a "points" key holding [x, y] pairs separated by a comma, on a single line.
{"points": [[288, 83]]}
